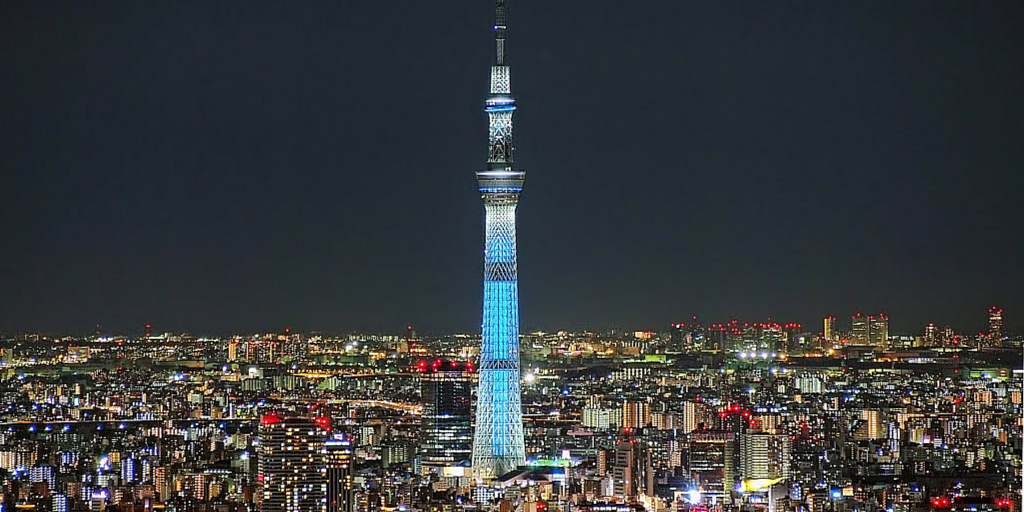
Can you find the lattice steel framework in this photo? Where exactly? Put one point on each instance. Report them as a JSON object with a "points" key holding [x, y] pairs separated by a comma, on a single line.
{"points": [[498, 445]]}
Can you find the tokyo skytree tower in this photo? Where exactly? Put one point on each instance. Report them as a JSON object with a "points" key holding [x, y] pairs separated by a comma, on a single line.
{"points": [[498, 438]]}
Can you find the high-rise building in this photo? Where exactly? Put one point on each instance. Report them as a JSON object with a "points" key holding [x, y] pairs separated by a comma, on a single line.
{"points": [[290, 461], [632, 471], [447, 428], [949, 337], [870, 425], [712, 462], [931, 335], [339, 474], [601, 418], [764, 455], [995, 326], [859, 329], [870, 330], [695, 414], [878, 330], [498, 444], [636, 414], [59, 502], [677, 337], [830, 329]]}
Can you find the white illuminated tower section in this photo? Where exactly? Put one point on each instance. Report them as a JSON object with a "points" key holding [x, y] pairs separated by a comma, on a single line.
{"points": [[498, 438]]}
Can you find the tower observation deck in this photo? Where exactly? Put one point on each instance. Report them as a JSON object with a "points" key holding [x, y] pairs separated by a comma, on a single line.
{"points": [[498, 445]]}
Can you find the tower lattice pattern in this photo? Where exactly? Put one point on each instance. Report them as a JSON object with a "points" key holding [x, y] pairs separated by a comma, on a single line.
{"points": [[498, 445]]}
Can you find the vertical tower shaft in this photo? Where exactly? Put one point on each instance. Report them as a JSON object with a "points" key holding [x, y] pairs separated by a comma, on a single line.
{"points": [[498, 445]]}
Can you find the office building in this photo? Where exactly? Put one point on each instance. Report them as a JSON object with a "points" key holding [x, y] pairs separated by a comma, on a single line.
{"points": [[447, 430], [291, 459], [712, 462], [830, 329], [859, 329], [632, 471], [878, 331], [995, 326], [339, 474], [764, 455]]}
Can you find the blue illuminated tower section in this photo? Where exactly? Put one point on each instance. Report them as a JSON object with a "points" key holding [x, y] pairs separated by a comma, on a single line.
{"points": [[498, 438]]}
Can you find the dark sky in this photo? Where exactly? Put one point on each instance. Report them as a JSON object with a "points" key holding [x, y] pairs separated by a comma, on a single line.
{"points": [[220, 166]]}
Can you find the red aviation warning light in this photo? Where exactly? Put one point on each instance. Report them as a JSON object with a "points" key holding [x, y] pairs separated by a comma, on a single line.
{"points": [[941, 502], [323, 422], [270, 419]]}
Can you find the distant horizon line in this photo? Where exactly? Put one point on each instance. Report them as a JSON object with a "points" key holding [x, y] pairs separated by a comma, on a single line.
{"points": [[6, 335]]}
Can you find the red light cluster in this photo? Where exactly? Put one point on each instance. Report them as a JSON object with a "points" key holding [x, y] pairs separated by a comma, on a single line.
{"points": [[439, 365], [736, 409], [1004, 503], [323, 422], [941, 502], [270, 419]]}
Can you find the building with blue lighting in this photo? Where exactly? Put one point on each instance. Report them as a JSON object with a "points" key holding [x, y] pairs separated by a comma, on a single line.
{"points": [[498, 445]]}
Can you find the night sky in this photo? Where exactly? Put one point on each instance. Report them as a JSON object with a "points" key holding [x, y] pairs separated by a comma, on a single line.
{"points": [[243, 166]]}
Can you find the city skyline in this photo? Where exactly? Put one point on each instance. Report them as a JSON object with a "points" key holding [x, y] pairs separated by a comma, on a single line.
{"points": [[771, 264], [221, 171], [842, 323]]}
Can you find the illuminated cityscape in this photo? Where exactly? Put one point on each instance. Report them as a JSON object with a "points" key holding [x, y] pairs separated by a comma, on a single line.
{"points": [[737, 297], [695, 416]]}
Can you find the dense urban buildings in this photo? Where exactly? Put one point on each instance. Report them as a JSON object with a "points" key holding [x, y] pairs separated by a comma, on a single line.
{"points": [[646, 419]]}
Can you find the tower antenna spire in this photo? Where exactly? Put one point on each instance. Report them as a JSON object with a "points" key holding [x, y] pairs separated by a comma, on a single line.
{"points": [[499, 32]]}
